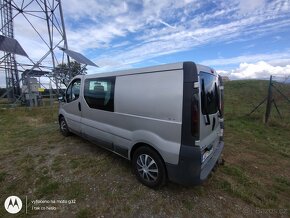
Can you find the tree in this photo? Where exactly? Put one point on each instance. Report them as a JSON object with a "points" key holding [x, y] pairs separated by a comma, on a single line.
{"points": [[63, 74]]}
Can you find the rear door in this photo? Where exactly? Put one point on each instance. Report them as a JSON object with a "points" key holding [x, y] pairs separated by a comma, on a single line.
{"points": [[209, 111], [72, 107]]}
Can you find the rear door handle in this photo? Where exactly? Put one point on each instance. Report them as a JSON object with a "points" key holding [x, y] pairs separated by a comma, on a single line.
{"points": [[80, 107], [207, 119]]}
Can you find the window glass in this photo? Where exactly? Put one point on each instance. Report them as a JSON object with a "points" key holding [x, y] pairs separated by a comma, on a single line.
{"points": [[99, 93], [73, 91], [209, 95]]}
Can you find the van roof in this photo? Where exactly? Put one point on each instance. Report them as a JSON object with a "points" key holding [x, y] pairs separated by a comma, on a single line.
{"points": [[163, 67]]}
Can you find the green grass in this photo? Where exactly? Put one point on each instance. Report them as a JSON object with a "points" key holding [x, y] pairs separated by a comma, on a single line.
{"points": [[255, 152], [47, 189], [84, 213], [75, 190], [38, 162], [2, 176], [282, 184]]}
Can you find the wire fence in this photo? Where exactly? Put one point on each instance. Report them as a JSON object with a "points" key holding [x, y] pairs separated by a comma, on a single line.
{"points": [[277, 99]]}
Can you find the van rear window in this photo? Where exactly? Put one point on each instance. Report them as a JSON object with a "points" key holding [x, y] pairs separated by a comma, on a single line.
{"points": [[209, 95]]}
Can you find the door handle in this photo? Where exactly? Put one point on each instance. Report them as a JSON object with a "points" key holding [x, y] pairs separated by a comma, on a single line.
{"points": [[207, 122], [80, 107]]}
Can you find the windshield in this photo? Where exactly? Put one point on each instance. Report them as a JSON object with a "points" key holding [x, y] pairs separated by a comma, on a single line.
{"points": [[209, 95]]}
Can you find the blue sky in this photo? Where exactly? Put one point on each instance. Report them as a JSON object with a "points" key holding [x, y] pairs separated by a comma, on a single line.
{"points": [[234, 36], [239, 38]]}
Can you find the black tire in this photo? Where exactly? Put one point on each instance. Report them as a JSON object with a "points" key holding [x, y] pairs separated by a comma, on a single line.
{"points": [[63, 127], [148, 167]]}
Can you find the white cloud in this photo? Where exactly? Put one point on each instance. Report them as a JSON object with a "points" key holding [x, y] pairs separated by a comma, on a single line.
{"points": [[279, 58], [258, 70], [180, 32], [248, 6], [280, 62], [166, 24]]}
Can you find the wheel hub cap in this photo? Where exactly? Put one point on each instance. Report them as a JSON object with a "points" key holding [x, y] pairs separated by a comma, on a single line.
{"points": [[147, 167]]}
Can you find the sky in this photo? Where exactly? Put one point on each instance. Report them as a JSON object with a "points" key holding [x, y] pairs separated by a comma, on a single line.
{"points": [[242, 39]]}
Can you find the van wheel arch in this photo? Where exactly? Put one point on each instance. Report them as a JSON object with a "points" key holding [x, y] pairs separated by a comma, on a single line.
{"points": [[59, 117], [63, 127], [140, 144]]}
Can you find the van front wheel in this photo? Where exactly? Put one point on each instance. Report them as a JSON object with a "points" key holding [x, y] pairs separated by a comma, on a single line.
{"points": [[149, 167], [63, 127]]}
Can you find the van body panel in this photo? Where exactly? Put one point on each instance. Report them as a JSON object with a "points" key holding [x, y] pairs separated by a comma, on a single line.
{"points": [[161, 135], [96, 129], [73, 117], [136, 95]]}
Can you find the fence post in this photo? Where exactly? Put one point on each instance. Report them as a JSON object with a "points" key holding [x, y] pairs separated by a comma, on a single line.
{"points": [[269, 101]]}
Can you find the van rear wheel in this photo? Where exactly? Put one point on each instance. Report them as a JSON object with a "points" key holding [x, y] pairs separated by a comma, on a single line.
{"points": [[63, 127], [149, 167]]}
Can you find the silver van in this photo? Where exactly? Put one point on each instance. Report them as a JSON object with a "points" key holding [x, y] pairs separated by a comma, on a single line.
{"points": [[167, 120]]}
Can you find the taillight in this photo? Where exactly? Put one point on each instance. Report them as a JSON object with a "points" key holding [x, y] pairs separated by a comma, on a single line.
{"points": [[195, 116]]}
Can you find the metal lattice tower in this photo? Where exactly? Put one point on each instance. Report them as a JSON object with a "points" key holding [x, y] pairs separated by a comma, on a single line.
{"points": [[44, 18], [9, 62]]}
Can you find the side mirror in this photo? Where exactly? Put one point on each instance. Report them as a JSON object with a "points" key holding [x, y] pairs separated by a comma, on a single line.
{"points": [[61, 99]]}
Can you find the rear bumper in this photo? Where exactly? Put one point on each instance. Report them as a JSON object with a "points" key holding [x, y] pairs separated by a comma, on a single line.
{"points": [[189, 170]]}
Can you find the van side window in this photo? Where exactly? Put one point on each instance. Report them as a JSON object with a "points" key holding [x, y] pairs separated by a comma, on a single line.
{"points": [[99, 93], [73, 91]]}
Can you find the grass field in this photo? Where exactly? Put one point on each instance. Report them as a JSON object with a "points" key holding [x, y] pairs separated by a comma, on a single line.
{"points": [[37, 162]]}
